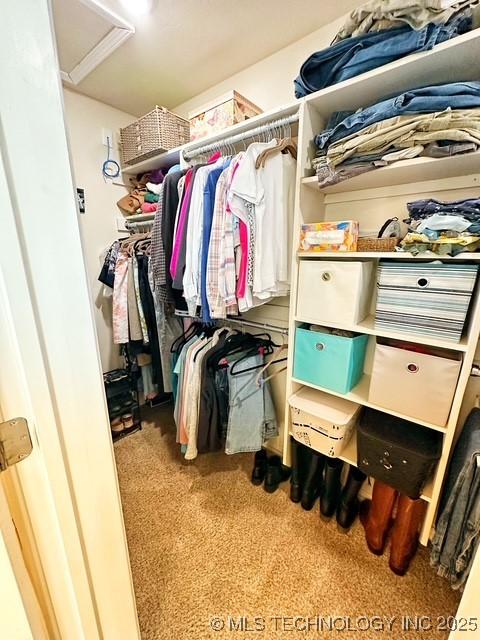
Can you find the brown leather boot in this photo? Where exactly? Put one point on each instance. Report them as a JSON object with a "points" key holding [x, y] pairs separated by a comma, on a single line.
{"points": [[405, 533], [376, 516]]}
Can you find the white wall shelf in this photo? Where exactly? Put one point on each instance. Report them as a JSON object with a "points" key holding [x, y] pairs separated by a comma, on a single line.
{"points": [[395, 255], [360, 395], [368, 326], [163, 160], [167, 159], [407, 172], [451, 61]]}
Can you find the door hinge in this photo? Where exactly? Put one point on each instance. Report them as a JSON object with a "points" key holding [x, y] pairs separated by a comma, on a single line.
{"points": [[15, 442]]}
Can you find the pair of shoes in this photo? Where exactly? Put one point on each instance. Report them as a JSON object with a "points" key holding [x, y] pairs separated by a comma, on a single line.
{"points": [[377, 519], [116, 425], [269, 471], [344, 501]]}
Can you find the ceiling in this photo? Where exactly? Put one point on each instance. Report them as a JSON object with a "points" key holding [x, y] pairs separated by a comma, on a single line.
{"points": [[182, 47]]}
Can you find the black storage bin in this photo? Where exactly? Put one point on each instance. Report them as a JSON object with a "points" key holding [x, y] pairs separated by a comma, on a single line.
{"points": [[399, 453]]}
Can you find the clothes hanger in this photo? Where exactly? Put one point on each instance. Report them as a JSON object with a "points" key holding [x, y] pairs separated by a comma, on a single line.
{"points": [[218, 331], [274, 360], [284, 144], [266, 346], [253, 352], [187, 334], [237, 343]]}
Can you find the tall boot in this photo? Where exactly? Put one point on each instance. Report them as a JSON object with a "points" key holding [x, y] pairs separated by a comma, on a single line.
{"points": [[275, 474], [259, 467], [349, 503], [405, 533], [313, 479], [331, 487], [378, 519], [300, 456]]}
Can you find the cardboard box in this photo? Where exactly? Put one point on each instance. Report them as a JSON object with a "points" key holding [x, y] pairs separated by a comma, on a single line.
{"points": [[219, 114]]}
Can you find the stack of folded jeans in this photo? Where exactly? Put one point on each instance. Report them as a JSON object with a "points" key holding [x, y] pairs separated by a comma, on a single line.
{"points": [[446, 228], [457, 532], [434, 121], [383, 31]]}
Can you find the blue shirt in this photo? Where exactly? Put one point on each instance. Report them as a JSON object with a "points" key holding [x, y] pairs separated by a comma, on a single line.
{"points": [[208, 205]]}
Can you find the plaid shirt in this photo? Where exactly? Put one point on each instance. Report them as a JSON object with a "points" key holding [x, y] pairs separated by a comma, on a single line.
{"points": [[157, 251], [215, 302]]}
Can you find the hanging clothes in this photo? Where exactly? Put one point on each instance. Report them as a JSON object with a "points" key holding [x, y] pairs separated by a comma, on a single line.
{"points": [[217, 407], [220, 244], [120, 299]]}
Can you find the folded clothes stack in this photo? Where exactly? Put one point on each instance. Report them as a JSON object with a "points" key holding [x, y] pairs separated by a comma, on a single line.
{"points": [[383, 31], [446, 228], [435, 121]]}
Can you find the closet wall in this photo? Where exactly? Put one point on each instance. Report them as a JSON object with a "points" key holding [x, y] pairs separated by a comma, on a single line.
{"points": [[85, 120], [269, 83]]}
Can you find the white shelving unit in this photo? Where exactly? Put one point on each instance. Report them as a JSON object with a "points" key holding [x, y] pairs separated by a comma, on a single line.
{"points": [[370, 198]]}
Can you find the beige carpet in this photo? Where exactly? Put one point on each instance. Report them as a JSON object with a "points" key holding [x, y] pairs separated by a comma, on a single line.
{"points": [[205, 543]]}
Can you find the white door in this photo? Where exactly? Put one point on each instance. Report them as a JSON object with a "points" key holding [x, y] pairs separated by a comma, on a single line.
{"points": [[64, 497], [20, 614]]}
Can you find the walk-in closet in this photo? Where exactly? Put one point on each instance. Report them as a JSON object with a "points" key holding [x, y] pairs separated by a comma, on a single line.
{"points": [[279, 215]]}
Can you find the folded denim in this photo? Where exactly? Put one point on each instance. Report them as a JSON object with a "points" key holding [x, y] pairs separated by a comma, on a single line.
{"points": [[456, 95], [408, 131], [387, 14], [468, 208], [458, 526], [351, 57]]}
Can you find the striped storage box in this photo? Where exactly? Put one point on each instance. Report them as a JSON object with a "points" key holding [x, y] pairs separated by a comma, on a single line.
{"points": [[429, 299]]}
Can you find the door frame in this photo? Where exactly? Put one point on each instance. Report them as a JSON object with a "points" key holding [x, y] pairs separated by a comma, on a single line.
{"points": [[50, 371], [24, 615]]}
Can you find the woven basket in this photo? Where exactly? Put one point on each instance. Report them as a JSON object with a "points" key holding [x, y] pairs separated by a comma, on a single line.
{"points": [[153, 133], [377, 244]]}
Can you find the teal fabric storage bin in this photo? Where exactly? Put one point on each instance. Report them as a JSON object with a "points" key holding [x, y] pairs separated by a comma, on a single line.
{"points": [[329, 361]]}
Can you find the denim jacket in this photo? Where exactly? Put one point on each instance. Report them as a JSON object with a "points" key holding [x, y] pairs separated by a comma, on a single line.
{"points": [[456, 95], [457, 534], [353, 56]]}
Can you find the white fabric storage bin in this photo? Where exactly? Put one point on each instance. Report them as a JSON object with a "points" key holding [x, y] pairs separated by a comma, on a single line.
{"points": [[414, 384], [321, 421], [334, 291]]}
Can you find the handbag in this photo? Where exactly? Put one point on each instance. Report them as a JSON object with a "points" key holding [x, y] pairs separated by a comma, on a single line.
{"points": [[130, 203]]}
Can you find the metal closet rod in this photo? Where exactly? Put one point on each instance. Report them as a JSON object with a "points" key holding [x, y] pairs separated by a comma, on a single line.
{"points": [[239, 137], [258, 325], [140, 226]]}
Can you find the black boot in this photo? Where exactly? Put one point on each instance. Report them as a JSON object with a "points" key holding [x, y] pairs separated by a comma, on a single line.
{"points": [[313, 479], [331, 487], [349, 504], [276, 473], [300, 455], [259, 467]]}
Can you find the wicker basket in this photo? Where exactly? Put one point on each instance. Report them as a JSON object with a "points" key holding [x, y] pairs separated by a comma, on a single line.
{"points": [[155, 132], [377, 244]]}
